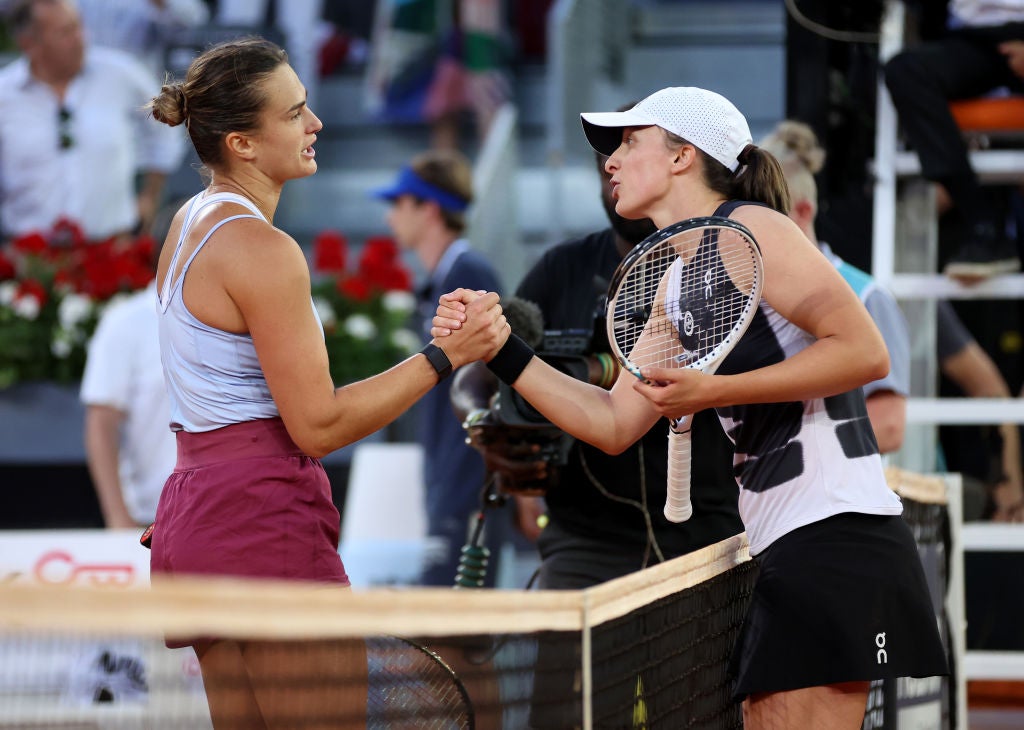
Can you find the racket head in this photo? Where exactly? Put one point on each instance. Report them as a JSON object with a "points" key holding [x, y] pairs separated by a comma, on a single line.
{"points": [[684, 295], [411, 684]]}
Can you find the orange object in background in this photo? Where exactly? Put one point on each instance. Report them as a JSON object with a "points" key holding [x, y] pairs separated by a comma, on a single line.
{"points": [[995, 114]]}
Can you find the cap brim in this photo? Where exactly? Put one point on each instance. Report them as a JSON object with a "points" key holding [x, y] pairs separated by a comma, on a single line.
{"points": [[390, 193], [604, 129]]}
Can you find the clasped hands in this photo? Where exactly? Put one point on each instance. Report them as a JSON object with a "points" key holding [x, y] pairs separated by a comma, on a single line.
{"points": [[675, 392]]}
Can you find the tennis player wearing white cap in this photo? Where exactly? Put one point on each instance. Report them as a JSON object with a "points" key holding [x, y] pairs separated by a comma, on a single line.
{"points": [[841, 597]]}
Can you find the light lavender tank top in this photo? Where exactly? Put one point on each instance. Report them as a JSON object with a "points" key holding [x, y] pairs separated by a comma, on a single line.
{"points": [[213, 377]]}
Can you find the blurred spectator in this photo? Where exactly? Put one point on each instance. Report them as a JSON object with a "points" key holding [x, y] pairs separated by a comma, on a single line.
{"points": [[299, 20], [141, 27], [129, 445], [431, 65], [429, 199], [73, 133], [796, 147], [981, 50], [996, 464]]}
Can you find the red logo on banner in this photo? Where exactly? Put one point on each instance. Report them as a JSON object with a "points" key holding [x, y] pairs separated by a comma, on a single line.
{"points": [[59, 568]]}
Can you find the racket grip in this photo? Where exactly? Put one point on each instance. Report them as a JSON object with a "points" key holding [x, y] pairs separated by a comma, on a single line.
{"points": [[677, 495]]}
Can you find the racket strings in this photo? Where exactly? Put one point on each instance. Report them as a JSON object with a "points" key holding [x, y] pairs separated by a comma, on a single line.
{"points": [[682, 300]]}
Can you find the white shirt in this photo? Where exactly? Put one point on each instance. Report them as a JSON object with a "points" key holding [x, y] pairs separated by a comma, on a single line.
{"points": [[141, 27], [980, 13], [123, 371], [93, 181]]}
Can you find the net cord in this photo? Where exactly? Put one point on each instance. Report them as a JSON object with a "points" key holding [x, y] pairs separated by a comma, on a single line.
{"points": [[236, 608]]}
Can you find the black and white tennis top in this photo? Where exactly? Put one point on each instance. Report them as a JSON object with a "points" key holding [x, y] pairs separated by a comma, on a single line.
{"points": [[802, 461]]}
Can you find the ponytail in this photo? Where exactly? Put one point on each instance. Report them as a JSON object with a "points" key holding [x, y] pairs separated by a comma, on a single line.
{"points": [[759, 178]]}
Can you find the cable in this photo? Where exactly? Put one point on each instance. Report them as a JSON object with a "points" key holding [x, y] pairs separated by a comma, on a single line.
{"points": [[652, 541], [845, 36]]}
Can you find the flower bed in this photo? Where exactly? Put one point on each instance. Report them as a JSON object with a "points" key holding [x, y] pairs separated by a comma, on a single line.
{"points": [[366, 308], [55, 286]]}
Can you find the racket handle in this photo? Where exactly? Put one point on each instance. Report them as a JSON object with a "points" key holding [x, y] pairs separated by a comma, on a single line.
{"points": [[677, 494]]}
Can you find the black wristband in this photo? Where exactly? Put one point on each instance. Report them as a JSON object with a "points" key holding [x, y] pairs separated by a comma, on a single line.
{"points": [[511, 360], [436, 357]]}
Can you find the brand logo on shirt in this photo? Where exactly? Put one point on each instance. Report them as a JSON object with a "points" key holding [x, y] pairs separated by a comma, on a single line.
{"points": [[881, 657], [688, 323]]}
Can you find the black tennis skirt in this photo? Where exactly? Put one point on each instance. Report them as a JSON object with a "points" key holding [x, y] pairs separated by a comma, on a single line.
{"points": [[840, 600]]}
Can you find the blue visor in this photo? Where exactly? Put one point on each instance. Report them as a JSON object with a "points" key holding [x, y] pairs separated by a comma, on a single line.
{"points": [[409, 183]]}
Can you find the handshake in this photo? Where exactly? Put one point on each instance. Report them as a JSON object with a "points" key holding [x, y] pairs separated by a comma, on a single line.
{"points": [[520, 447], [470, 325]]}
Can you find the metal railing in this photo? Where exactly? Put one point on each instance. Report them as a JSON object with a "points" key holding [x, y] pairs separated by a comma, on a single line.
{"points": [[493, 221]]}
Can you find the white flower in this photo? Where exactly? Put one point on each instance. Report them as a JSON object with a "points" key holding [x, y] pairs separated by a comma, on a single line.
{"points": [[61, 345], [73, 310], [325, 311], [27, 306], [399, 301], [361, 327], [7, 291], [405, 340]]}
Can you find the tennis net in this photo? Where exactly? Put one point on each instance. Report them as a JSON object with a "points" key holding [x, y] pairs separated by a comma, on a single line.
{"points": [[648, 650]]}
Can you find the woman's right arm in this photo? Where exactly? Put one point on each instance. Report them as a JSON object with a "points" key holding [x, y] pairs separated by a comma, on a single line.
{"points": [[271, 287], [610, 420]]}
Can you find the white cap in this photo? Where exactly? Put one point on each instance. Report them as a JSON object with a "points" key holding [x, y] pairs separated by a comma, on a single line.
{"points": [[706, 119]]}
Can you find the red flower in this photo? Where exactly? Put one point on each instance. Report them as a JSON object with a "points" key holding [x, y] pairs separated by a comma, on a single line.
{"points": [[32, 288], [396, 279], [144, 248], [7, 270], [330, 252], [378, 252], [354, 287], [68, 233], [30, 243], [382, 267]]}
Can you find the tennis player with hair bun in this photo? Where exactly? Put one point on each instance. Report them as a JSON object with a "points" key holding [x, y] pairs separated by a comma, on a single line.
{"points": [[841, 597], [252, 401]]}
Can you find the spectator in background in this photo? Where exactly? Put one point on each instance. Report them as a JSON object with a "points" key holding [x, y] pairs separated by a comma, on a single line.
{"points": [[963, 361], [425, 67], [429, 199], [300, 21], [73, 133], [129, 446], [141, 27], [796, 147], [981, 51]]}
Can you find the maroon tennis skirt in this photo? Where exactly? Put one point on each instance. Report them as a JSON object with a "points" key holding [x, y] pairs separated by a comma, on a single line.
{"points": [[244, 500]]}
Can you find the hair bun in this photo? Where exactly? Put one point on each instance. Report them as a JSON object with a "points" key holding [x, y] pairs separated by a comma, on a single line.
{"points": [[171, 105]]}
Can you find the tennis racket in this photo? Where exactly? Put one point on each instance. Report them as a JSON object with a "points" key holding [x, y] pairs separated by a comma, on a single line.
{"points": [[412, 686], [682, 298]]}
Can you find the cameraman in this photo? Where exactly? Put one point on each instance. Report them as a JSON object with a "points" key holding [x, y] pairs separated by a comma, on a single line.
{"points": [[604, 513]]}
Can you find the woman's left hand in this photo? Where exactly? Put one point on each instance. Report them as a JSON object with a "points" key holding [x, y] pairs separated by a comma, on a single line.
{"points": [[676, 392]]}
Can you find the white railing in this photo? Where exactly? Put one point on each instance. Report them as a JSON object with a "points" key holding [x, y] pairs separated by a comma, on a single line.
{"points": [[493, 221], [905, 261], [586, 42]]}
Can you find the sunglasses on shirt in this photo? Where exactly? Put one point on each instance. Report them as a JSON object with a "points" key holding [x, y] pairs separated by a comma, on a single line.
{"points": [[66, 140]]}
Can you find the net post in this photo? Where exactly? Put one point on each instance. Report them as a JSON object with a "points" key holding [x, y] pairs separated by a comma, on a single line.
{"points": [[587, 687], [955, 599]]}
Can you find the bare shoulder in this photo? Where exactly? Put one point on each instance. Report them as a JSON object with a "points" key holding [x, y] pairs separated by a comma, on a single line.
{"points": [[259, 253], [772, 230]]}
